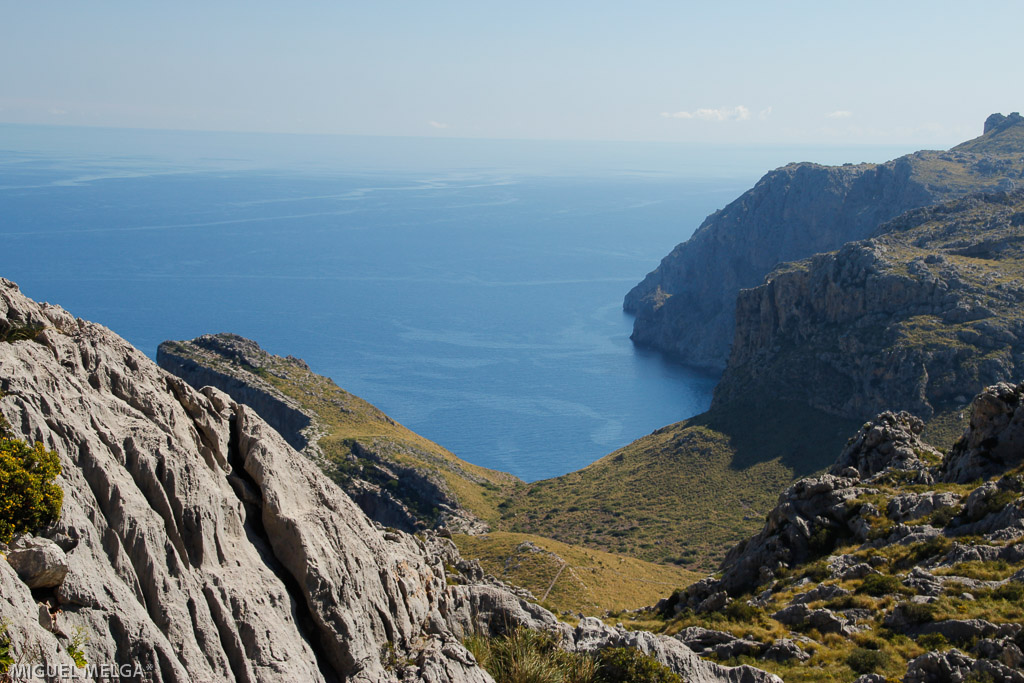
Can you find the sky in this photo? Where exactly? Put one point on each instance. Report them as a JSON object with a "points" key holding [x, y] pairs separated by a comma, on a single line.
{"points": [[866, 72]]}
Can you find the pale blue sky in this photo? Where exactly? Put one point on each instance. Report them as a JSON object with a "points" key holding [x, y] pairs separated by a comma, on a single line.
{"points": [[752, 72]]}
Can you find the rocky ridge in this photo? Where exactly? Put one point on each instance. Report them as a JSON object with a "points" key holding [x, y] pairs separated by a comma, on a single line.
{"points": [[914, 558], [917, 318], [197, 544], [687, 305]]}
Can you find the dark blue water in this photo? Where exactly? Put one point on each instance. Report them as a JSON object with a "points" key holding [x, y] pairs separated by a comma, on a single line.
{"points": [[473, 296]]}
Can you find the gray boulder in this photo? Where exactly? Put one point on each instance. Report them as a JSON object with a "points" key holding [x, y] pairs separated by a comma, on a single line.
{"points": [[592, 635], [784, 650], [39, 562], [939, 667]]}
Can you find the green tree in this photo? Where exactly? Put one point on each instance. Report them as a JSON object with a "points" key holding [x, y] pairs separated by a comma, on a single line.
{"points": [[29, 498]]}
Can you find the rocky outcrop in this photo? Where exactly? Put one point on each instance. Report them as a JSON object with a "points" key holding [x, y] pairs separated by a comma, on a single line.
{"points": [[687, 305], [592, 635], [889, 441], [918, 318], [220, 351], [995, 440], [40, 562]]}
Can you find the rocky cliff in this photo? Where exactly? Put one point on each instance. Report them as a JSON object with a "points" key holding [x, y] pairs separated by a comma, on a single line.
{"points": [[918, 318], [195, 544], [686, 306]]}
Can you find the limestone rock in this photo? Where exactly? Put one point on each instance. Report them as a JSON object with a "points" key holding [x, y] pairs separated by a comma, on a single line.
{"points": [[785, 649], [706, 642], [939, 667], [240, 368], [592, 634], [890, 440], [39, 562], [995, 440]]}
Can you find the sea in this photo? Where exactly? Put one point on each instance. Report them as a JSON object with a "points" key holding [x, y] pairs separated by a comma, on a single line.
{"points": [[471, 289]]}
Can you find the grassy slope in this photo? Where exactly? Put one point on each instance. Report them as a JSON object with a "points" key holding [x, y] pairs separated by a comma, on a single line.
{"points": [[571, 578], [687, 492]]}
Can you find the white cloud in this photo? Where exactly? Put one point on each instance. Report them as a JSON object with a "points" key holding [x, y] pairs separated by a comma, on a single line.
{"points": [[438, 124], [840, 114], [764, 113], [739, 113]]}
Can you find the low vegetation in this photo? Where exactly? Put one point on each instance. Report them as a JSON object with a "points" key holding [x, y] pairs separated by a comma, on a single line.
{"points": [[570, 578], [525, 656]]}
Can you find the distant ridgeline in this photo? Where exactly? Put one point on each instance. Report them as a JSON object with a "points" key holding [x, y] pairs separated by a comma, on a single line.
{"points": [[686, 306]]}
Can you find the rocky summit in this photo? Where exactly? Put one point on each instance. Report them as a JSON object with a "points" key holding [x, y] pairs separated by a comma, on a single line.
{"points": [[195, 543], [687, 305]]}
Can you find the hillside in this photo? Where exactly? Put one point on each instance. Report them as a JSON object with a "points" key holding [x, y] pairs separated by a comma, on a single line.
{"points": [[901, 563], [686, 306], [686, 492], [918, 318]]}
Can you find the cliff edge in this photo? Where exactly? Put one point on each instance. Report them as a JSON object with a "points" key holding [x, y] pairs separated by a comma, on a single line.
{"points": [[686, 306]]}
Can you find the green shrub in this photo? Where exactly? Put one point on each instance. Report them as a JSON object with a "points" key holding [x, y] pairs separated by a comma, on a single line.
{"points": [[739, 610], [865, 661], [627, 665], [918, 613], [5, 649], [943, 516], [823, 540], [20, 332], [933, 641], [74, 647], [1011, 592], [29, 500], [818, 571], [880, 584]]}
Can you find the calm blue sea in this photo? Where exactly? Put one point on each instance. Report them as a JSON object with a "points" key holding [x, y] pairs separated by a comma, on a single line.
{"points": [[470, 289]]}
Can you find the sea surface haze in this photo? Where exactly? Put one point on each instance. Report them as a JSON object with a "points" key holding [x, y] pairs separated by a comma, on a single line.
{"points": [[470, 289]]}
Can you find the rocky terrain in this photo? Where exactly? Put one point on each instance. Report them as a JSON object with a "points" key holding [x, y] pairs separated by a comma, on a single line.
{"points": [[687, 305], [917, 318], [900, 563], [195, 544]]}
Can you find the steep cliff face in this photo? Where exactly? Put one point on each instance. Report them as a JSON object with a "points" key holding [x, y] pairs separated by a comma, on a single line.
{"points": [[686, 306], [918, 318]]}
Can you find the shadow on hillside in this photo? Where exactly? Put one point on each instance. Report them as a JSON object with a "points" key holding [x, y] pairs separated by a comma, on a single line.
{"points": [[801, 438]]}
